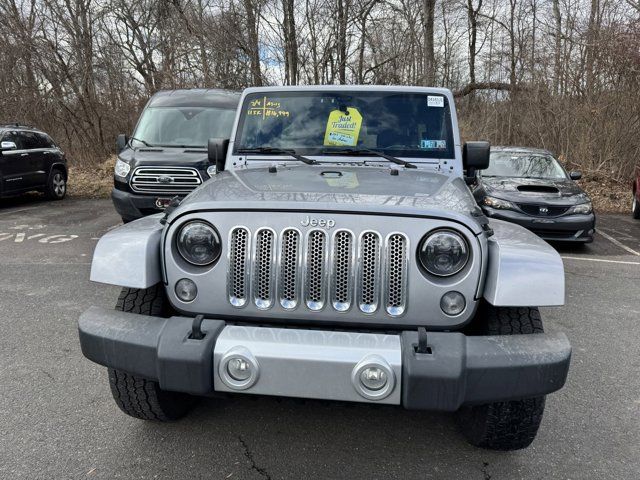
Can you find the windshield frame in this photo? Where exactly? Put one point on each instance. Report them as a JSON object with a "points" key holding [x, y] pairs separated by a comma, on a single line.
{"points": [[450, 154], [135, 137], [485, 174]]}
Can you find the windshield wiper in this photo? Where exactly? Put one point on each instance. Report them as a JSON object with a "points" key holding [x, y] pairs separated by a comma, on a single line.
{"points": [[279, 151], [366, 151], [142, 141]]}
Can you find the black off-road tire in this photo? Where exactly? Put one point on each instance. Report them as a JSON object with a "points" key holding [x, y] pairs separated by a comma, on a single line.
{"points": [[56, 187], [140, 397], [508, 425]]}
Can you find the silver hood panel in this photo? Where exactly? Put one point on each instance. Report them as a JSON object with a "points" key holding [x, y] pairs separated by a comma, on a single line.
{"points": [[337, 188]]}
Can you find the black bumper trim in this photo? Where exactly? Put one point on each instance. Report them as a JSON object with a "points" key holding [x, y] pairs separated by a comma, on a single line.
{"points": [[473, 370], [151, 347]]}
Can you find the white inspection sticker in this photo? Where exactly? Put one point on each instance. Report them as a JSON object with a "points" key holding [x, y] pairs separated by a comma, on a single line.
{"points": [[435, 101]]}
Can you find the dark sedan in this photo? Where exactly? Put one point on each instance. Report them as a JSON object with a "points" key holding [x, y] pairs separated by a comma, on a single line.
{"points": [[529, 187]]}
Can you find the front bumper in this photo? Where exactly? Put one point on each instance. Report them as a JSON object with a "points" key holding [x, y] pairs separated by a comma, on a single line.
{"points": [[131, 206], [320, 364], [566, 228]]}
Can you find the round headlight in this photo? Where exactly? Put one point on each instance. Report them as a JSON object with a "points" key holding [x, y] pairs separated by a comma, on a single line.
{"points": [[443, 253], [199, 243]]}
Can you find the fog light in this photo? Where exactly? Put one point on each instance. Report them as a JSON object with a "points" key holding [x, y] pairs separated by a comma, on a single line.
{"points": [[452, 303], [238, 368], [373, 378], [186, 290]]}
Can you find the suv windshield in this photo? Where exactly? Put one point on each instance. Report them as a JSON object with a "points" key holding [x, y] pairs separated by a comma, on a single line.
{"points": [[400, 124], [182, 126], [523, 165]]}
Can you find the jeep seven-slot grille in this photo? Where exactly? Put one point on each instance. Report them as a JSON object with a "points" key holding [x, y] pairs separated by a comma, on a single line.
{"points": [[320, 268], [165, 180]]}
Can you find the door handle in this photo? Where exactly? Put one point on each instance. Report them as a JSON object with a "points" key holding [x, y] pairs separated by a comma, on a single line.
{"points": [[24, 154]]}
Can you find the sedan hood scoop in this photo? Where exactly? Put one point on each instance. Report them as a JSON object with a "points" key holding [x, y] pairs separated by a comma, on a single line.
{"points": [[538, 189]]}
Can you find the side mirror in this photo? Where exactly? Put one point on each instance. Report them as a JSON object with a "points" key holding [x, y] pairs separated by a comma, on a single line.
{"points": [[8, 146], [475, 156], [575, 175], [121, 142], [217, 152]]}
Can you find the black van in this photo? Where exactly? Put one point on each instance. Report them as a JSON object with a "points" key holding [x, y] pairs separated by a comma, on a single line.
{"points": [[167, 153]]}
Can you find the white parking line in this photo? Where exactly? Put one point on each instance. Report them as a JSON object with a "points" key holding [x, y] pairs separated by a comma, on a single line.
{"points": [[16, 211], [618, 243], [600, 260]]}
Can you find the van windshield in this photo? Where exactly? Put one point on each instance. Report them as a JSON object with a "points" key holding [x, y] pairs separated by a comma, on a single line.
{"points": [[325, 122], [182, 126]]}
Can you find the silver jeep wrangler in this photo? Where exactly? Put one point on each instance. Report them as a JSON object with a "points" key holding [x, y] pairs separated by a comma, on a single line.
{"points": [[337, 254]]}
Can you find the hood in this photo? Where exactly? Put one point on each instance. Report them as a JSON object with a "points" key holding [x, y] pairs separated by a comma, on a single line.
{"points": [[336, 188], [535, 190], [192, 157]]}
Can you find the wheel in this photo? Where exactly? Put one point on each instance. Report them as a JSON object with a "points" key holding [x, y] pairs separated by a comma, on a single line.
{"points": [[139, 397], [635, 206], [508, 425], [56, 187]]}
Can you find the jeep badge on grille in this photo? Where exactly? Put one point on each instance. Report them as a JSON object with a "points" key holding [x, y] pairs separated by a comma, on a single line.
{"points": [[318, 222]]}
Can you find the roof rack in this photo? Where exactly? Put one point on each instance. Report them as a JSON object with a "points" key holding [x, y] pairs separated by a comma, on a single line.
{"points": [[16, 125]]}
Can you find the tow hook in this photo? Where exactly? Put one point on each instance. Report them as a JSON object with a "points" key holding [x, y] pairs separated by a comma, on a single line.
{"points": [[196, 328], [422, 346]]}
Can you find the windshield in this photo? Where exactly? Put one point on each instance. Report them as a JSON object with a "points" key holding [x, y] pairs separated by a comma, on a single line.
{"points": [[400, 124], [523, 165], [182, 126]]}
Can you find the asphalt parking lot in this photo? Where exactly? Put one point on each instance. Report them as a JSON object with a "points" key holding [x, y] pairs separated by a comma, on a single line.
{"points": [[58, 419]]}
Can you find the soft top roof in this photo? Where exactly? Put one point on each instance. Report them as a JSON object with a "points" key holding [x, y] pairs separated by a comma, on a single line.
{"points": [[195, 97]]}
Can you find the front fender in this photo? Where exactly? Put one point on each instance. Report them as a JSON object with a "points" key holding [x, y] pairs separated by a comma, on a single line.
{"points": [[523, 270], [129, 256]]}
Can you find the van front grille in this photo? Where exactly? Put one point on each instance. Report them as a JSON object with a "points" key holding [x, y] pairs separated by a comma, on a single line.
{"points": [[165, 180]]}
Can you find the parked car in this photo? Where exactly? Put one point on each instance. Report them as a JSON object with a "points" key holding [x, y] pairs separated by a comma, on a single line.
{"points": [[31, 161], [339, 256], [529, 187], [635, 206], [167, 154]]}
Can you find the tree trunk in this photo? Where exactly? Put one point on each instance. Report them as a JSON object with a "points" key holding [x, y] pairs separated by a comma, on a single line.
{"points": [[429, 67]]}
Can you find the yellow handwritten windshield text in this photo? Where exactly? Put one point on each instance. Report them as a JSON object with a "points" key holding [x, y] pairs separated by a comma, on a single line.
{"points": [[265, 108]]}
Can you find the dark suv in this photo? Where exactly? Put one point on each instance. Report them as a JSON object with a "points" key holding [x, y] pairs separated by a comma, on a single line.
{"points": [[30, 160], [167, 153]]}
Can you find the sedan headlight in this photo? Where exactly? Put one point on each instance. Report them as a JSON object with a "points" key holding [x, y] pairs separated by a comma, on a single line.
{"points": [[443, 253], [497, 203], [582, 208], [122, 168], [199, 243]]}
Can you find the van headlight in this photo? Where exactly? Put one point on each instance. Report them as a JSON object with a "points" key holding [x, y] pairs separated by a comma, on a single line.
{"points": [[122, 168], [443, 253], [199, 243]]}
